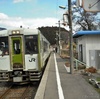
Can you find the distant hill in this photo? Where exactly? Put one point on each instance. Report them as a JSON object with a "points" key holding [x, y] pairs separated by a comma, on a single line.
{"points": [[50, 33], [2, 29]]}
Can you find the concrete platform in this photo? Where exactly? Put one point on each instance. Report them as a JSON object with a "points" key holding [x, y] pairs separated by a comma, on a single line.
{"points": [[56, 83]]}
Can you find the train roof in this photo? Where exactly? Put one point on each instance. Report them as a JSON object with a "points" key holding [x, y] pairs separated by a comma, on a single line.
{"points": [[3, 33], [22, 31]]}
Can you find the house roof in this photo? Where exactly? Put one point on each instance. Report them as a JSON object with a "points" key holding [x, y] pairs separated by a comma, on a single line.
{"points": [[81, 33]]}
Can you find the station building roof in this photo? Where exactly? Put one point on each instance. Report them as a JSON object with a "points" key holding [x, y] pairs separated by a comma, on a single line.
{"points": [[81, 33]]}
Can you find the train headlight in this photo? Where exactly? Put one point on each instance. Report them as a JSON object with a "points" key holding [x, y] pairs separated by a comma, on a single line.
{"points": [[13, 32], [18, 32]]}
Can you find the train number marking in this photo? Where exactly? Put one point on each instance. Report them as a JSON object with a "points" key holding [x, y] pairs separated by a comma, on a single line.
{"points": [[32, 59]]}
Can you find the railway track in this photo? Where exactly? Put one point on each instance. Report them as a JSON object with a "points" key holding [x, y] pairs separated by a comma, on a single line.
{"points": [[19, 92], [15, 91]]}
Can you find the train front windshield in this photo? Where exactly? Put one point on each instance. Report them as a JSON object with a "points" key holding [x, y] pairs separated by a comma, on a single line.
{"points": [[31, 44], [4, 50]]}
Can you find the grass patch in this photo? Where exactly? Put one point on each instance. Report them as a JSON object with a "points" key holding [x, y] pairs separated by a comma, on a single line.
{"points": [[98, 90], [98, 78], [87, 79]]}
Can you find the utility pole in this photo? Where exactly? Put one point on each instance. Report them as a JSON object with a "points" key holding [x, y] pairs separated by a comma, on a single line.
{"points": [[71, 36], [59, 36]]}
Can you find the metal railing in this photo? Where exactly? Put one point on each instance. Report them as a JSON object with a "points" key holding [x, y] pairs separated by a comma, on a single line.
{"points": [[77, 62]]}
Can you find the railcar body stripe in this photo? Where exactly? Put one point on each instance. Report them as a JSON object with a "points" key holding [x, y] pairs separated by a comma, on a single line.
{"points": [[60, 91], [39, 52]]}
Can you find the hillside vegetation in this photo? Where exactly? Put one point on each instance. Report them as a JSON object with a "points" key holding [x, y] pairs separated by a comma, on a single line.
{"points": [[50, 33]]}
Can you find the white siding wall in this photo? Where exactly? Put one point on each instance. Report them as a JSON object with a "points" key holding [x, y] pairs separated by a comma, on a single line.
{"points": [[92, 43], [89, 42]]}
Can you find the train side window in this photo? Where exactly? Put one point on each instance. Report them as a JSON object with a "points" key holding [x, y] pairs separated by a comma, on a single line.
{"points": [[4, 46], [45, 46], [16, 46]]}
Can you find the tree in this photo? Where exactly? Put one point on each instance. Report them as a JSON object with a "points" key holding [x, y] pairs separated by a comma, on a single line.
{"points": [[85, 20], [50, 33]]}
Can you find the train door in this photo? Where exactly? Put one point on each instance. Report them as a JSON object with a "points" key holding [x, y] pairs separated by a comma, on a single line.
{"points": [[16, 48]]}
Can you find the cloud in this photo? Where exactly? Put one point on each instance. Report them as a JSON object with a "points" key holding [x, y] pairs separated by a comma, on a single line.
{"points": [[11, 22], [3, 16], [17, 1]]}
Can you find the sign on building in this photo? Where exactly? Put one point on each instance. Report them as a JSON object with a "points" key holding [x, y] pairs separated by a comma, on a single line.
{"points": [[90, 5]]}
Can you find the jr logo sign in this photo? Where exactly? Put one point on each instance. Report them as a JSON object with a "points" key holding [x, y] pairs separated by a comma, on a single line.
{"points": [[32, 59]]}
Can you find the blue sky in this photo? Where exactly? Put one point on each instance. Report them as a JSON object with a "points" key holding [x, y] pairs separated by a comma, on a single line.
{"points": [[30, 13], [31, 8]]}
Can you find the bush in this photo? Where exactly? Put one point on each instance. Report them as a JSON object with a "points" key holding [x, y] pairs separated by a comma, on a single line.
{"points": [[91, 70]]}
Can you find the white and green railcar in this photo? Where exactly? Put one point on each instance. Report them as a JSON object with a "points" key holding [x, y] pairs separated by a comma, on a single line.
{"points": [[23, 53]]}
